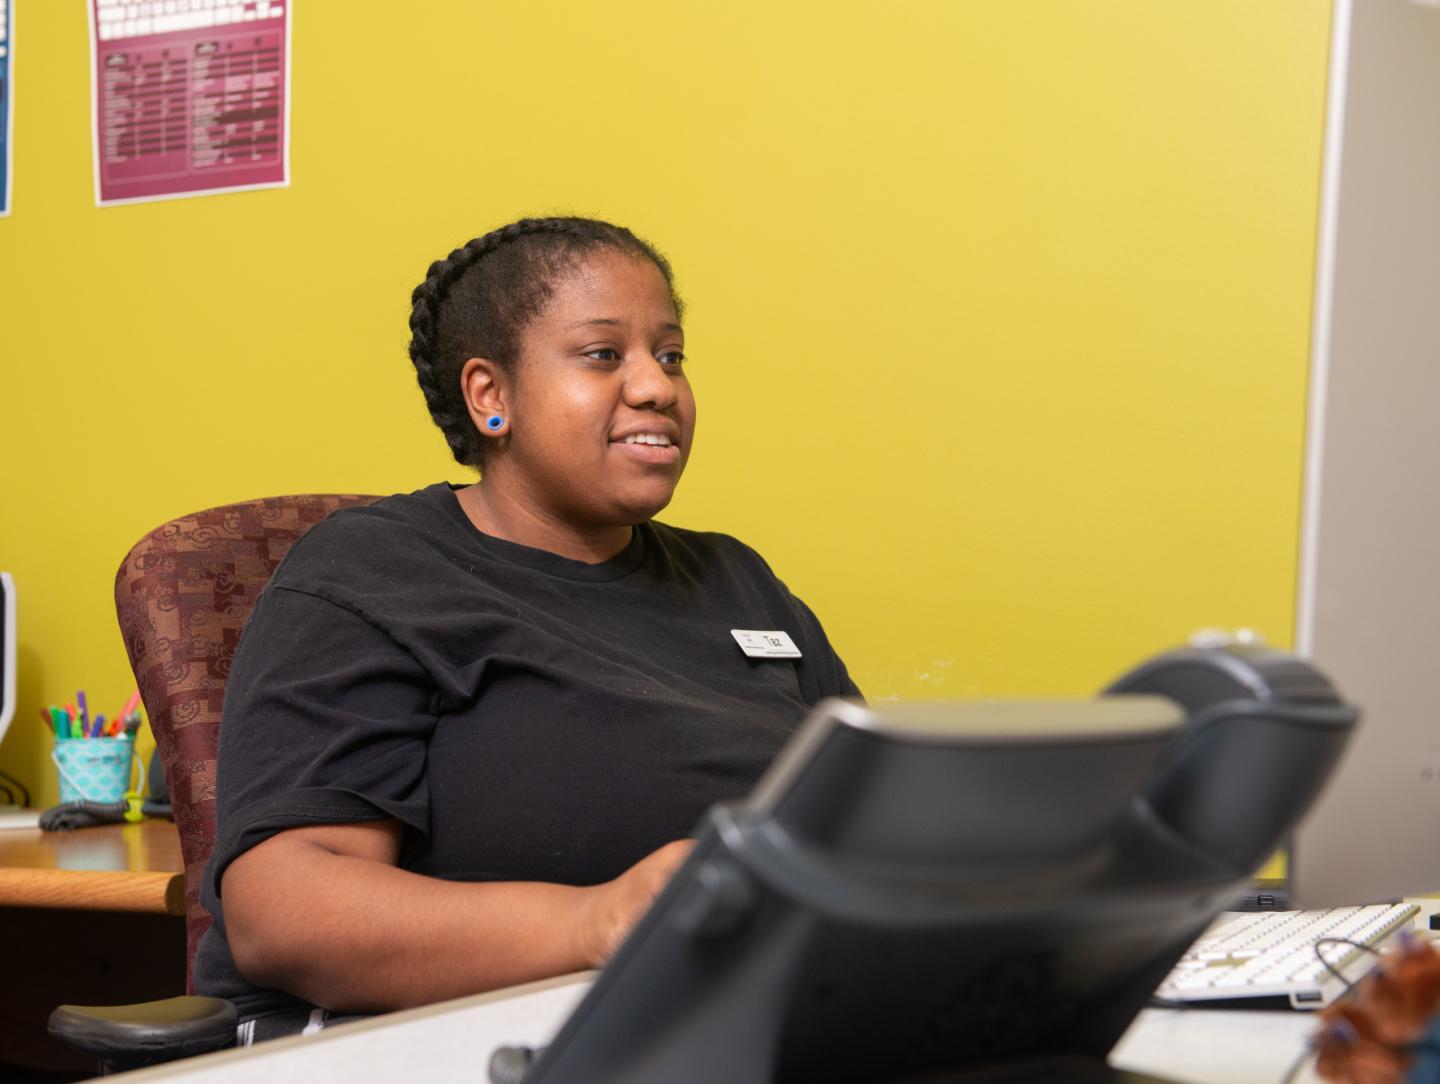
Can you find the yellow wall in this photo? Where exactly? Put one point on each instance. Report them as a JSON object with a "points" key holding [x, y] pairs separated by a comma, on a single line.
{"points": [[998, 312]]}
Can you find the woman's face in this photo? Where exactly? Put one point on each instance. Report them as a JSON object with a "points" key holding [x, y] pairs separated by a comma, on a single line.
{"points": [[601, 413]]}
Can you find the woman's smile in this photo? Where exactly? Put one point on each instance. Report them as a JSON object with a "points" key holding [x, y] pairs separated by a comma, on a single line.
{"points": [[653, 444]]}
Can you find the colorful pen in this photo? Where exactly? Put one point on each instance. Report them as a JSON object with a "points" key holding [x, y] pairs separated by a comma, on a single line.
{"points": [[84, 714]]}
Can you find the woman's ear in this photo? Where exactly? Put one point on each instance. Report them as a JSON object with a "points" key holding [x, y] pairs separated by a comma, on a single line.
{"points": [[483, 385]]}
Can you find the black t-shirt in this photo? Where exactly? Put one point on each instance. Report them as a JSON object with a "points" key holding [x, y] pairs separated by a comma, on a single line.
{"points": [[526, 717]]}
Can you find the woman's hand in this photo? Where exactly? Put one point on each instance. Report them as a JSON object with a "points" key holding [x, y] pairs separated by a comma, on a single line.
{"points": [[611, 909]]}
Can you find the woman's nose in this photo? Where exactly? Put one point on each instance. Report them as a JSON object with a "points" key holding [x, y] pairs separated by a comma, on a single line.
{"points": [[648, 384]]}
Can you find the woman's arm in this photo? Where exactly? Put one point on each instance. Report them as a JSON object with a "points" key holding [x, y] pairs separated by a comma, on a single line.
{"points": [[323, 913]]}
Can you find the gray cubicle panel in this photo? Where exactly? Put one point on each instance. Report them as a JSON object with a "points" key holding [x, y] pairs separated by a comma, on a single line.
{"points": [[1369, 592]]}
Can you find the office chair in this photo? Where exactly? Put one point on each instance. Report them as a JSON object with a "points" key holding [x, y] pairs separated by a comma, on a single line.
{"points": [[182, 595]]}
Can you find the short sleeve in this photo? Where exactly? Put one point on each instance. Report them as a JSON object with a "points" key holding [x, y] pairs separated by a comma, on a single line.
{"points": [[326, 721]]}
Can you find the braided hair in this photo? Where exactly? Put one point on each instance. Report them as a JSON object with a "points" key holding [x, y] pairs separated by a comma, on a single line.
{"points": [[477, 301]]}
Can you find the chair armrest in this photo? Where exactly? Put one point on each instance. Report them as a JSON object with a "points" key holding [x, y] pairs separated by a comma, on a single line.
{"points": [[131, 1036]]}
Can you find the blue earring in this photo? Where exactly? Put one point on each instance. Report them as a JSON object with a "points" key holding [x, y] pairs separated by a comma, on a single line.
{"points": [[495, 423]]}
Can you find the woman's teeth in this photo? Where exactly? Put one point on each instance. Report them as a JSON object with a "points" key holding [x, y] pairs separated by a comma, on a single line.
{"points": [[647, 438]]}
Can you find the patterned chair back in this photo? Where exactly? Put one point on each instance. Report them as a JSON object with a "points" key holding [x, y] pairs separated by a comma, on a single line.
{"points": [[183, 594]]}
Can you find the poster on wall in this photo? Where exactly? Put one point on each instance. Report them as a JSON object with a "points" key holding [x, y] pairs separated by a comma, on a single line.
{"points": [[190, 97], [7, 100]]}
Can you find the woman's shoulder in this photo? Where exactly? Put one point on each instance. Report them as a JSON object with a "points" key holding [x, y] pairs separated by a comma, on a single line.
{"points": [[354, 544]]}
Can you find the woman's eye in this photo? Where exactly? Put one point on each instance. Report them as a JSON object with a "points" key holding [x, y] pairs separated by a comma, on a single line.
{"points": [[603, 353], [672, 357]]}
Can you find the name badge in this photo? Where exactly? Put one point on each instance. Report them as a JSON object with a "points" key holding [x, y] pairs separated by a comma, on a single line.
{"points": [[760, 644]]}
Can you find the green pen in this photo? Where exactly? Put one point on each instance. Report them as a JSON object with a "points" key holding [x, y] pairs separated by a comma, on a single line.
{"points": [[56, 722]]}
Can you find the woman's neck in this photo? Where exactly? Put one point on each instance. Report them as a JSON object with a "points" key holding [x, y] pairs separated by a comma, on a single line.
{"points": [[501, 514]]}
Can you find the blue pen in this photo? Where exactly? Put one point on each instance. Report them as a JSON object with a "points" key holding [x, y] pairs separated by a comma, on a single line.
{"points": [[98, 730], [83, 715]]}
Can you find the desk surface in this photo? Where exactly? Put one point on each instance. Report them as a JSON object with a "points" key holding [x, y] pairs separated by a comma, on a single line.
{"points": [[453, 1041], [114, 867]]}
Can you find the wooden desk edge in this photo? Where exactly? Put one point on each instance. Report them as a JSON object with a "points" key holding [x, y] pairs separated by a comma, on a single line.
{"points": [[155, 893]]}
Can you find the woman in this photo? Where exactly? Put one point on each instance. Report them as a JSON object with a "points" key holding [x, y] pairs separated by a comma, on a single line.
{"points": [[467, 728]]}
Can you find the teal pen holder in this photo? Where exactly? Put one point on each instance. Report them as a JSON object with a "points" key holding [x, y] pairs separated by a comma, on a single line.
{"points": [[96, 769]]}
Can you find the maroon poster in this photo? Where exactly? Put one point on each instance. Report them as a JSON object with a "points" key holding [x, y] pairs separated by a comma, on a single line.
{"points": [[190, 96]]}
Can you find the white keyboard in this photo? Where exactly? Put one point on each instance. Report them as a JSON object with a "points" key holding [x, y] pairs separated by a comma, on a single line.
{"points": [[1255, 954], [132, 18]]}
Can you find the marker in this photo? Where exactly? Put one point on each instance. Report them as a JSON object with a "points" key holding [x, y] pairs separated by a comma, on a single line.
{"points": [[97, 730], [130, 705], [84, 715], [57, 725]]}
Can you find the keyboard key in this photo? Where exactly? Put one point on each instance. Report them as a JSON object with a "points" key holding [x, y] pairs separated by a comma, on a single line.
{"points": [[1193, 982]]}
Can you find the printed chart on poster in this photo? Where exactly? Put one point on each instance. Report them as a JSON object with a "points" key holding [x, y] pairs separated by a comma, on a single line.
{"points": [[190, 96], [7, 100]]}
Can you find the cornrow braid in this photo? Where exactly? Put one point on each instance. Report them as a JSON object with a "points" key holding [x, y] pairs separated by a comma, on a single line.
{"points": [[477, 301]]}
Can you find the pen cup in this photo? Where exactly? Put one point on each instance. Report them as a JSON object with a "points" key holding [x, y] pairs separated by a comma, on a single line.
{"points": [[96, 769]]}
